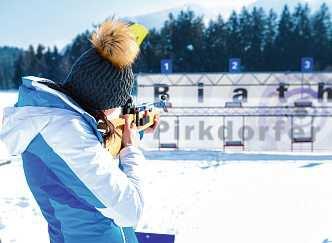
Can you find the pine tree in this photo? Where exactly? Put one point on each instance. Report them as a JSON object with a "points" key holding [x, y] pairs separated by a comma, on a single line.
{"points": [[186, 33], [321, 38], [255, 50], [284, 58], [234, 37], [244, 43], [8, 57], [269, 49], [302, 42], [48, 72], [18, 72], [42, 68], [2, 78], [57, 73], [215, 54], [30, 63]]}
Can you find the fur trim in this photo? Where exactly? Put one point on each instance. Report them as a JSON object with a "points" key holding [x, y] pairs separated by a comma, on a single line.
{"points": [[116, 43]]}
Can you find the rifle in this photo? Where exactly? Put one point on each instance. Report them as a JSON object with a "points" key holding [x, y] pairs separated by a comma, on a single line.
{"points": [[143, 117]]}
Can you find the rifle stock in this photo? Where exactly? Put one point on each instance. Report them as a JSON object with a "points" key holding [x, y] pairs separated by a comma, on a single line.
{"points": [[114, 144], [142, 115]]}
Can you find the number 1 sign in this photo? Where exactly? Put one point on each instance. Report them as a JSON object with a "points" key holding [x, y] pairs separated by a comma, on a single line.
{"points": [[166, 66]]}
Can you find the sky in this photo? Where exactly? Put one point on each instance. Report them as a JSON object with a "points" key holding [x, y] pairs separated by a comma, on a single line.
{"points": [[58, 22], [133, 8]]}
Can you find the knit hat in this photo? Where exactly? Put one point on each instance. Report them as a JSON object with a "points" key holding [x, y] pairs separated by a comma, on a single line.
{"points": [[102, 77]]}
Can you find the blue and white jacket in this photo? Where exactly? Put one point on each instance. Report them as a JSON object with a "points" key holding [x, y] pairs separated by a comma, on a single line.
{"points": [[85, 195]]}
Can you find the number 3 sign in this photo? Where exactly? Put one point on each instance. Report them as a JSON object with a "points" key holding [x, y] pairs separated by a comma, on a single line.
{"points": [[307, 64]]}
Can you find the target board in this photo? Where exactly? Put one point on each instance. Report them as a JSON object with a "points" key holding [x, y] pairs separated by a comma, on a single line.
{"points": [[242, 111]]}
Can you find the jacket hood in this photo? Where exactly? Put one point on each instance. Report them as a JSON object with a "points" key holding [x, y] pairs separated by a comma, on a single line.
{"points": [[36, 105]]}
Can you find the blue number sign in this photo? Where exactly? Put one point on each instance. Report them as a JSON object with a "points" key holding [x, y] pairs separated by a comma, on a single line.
{"points": [[166, 66], [307, 64], [234, 65]]}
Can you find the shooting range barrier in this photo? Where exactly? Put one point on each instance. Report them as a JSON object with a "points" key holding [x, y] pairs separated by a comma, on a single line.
{"points": [[254, 112]]}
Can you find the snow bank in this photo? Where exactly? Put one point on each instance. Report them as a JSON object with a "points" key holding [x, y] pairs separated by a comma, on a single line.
{"points": [[204, 201]]}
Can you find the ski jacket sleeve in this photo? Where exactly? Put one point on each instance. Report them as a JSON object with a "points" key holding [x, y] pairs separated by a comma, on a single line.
{"points": [[119, 191], [17, 131]]}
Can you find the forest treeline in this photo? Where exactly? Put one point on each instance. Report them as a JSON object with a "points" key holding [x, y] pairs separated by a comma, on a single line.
{"points": [[265, 41]]}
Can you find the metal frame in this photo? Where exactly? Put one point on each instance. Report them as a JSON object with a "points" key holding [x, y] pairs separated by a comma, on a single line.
{"points": [[294, 79], [311, 138], [233, 79], [243, 116]]}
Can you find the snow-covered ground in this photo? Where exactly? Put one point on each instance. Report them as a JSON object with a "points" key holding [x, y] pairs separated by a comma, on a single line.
{"points": [[204, 201], [7, 98], [204, 196]]}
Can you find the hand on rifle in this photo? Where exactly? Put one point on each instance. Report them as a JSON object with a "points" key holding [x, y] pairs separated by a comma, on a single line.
{"points": [[130, 134], [153, 128]]}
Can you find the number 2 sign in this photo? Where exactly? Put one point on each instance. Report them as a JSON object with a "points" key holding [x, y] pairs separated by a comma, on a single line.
{"points": [[234, 65]]}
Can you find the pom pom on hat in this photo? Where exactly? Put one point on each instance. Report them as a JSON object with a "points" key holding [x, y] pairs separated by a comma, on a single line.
{"points": [[116, 43]]}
